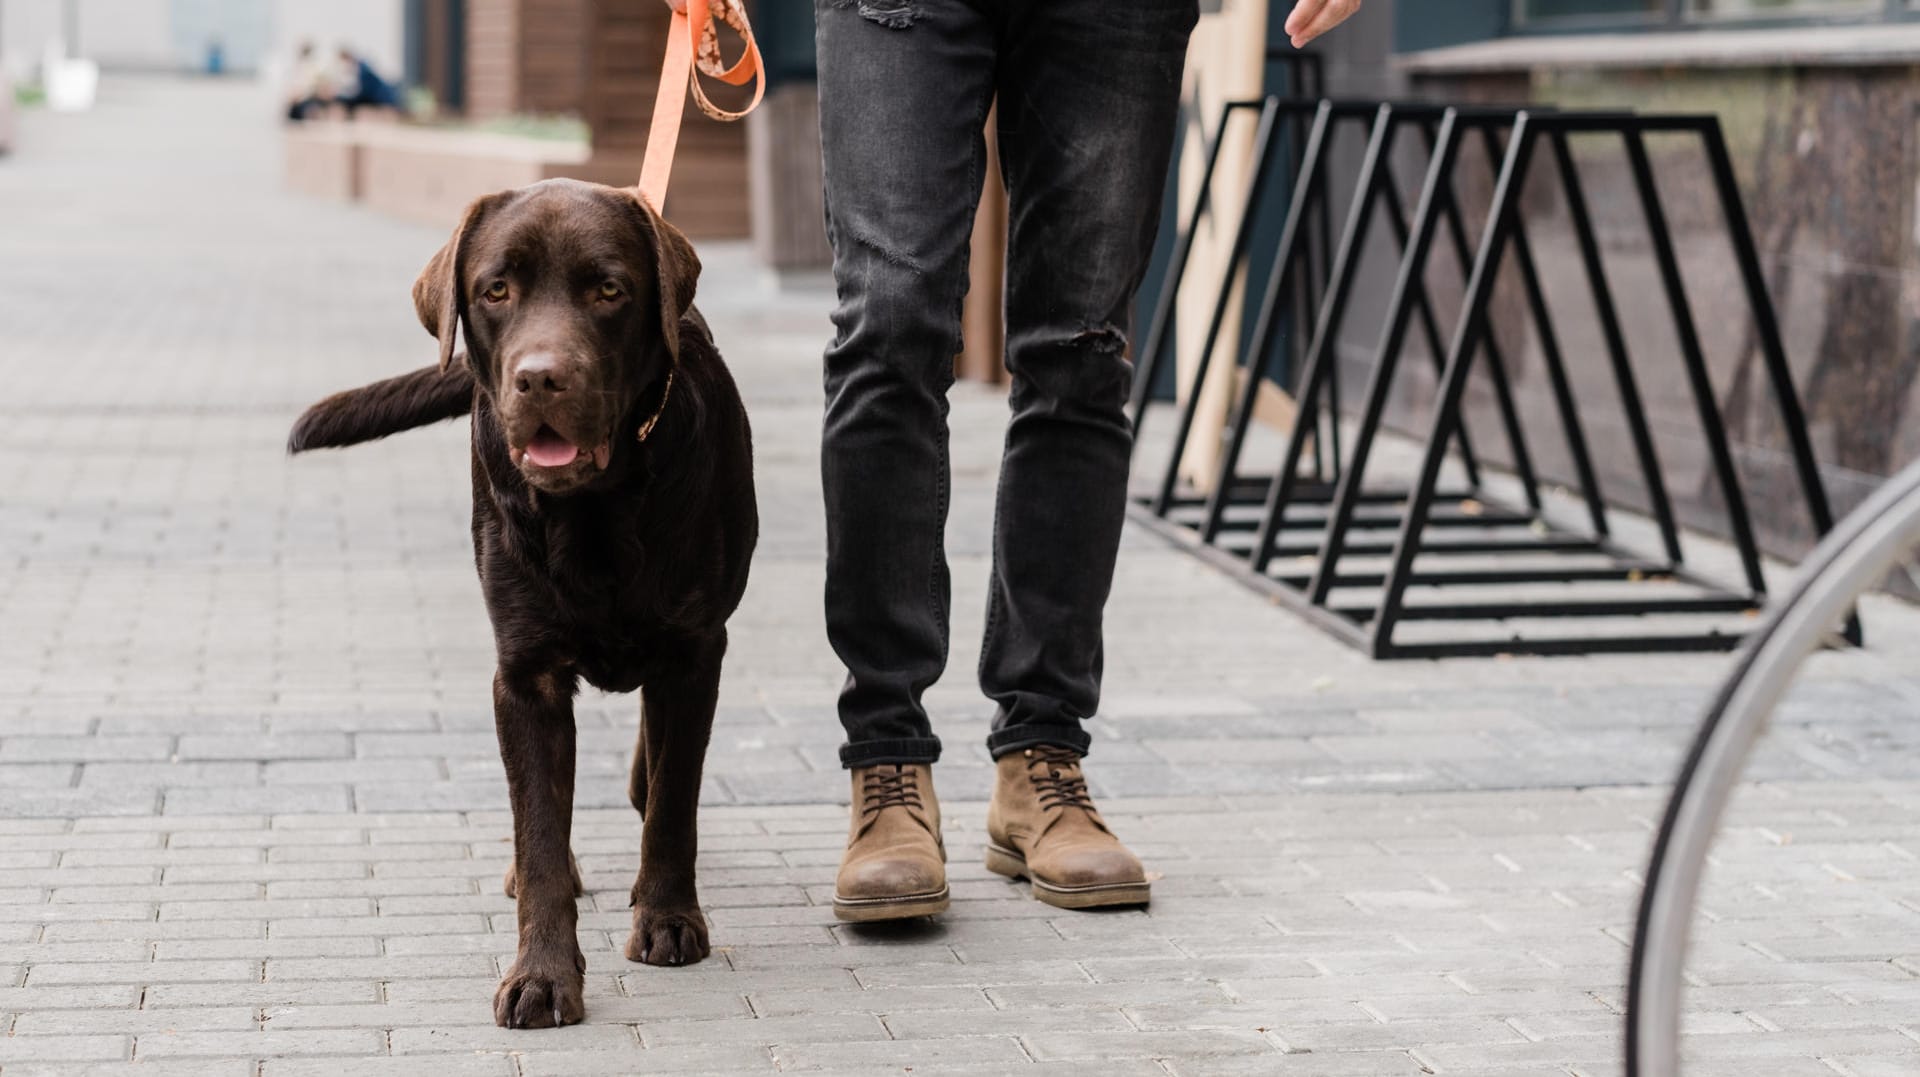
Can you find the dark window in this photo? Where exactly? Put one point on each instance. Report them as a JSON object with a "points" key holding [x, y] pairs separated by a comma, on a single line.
{"points": [[1599, 14]]}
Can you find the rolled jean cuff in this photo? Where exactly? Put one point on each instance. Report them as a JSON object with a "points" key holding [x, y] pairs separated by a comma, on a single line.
{"points": [[1016, 738], [870, 753]]}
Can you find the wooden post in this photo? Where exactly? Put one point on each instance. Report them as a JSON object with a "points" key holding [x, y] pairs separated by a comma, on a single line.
{"points": [[1226, 60], [783, 179], [984, 324]]}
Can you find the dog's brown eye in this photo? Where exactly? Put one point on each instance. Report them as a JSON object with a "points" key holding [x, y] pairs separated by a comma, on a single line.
{"points": [[610, 291], [496, 292]]}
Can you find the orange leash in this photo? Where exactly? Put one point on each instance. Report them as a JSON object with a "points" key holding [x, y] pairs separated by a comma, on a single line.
{"points": [[692, 33]]}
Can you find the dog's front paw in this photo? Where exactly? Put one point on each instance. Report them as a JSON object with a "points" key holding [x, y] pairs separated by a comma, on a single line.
{"points": [[541, 993], [667, 936]]}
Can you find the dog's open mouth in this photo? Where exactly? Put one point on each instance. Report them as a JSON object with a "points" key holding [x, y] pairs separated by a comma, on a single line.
{"points": [[549, 449]]}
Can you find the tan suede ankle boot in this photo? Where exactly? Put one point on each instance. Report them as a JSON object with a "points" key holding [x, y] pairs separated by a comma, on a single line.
{"points": [[895, 865], [1043, 826]]}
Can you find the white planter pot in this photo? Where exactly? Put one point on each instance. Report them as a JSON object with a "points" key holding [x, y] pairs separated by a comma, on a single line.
{"points": [[72, 85]]}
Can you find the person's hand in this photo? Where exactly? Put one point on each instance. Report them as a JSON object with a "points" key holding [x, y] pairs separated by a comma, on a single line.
{"points": [[1310, 18]]}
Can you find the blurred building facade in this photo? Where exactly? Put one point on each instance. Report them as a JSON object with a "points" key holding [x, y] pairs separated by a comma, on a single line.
{"points": [[177, 35]]}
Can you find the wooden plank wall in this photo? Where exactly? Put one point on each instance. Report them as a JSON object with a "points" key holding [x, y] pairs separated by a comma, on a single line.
{"points": [[528, 56], [553, 53], [493, 58]]}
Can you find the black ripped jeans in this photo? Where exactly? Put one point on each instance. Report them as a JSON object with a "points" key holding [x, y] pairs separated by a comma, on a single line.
{"points": [[1088, 92]]}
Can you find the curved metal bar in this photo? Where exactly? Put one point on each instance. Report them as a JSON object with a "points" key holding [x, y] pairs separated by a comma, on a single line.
{"points": [[1859, 553]]}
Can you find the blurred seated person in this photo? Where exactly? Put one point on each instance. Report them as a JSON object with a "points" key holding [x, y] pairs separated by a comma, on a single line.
{"points": [[365, 88], [312, 85]]}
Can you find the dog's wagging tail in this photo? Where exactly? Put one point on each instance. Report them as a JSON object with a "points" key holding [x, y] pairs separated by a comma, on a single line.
{"points": [[419, 398]]}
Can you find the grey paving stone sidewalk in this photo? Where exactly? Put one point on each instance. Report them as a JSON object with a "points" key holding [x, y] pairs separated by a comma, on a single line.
{"points": [[251, 814]]}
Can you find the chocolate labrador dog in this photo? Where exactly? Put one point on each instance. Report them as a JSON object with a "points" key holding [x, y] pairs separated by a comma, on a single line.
{"points": [[613, 521]]}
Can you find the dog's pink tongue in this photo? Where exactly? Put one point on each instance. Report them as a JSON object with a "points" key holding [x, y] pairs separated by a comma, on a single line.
{"points": [[548, 449]]}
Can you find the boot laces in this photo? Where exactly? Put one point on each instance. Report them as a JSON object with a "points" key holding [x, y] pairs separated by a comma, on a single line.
{"points": [[889, 787], [1055, 773]]}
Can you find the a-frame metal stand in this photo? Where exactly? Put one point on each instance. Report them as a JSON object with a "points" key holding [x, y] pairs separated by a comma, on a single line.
{"points": [[1462, 556]]}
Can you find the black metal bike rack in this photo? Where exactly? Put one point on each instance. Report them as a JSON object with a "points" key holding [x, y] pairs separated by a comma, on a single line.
{"points": [[1286, 532]]}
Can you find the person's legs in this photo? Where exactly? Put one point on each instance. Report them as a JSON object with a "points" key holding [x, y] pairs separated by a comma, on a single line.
{"points": [[1089, 94], [904, 88]]}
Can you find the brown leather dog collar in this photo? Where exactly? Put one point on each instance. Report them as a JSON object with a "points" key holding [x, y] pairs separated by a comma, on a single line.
{"points": [[654, 420]]}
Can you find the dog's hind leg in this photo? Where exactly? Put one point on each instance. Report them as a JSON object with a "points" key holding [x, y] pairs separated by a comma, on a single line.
{"points": [[677, 722], [533, 715]]}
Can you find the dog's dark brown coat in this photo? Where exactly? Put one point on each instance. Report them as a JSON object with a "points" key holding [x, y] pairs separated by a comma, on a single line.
{"points": [[622, 573]]}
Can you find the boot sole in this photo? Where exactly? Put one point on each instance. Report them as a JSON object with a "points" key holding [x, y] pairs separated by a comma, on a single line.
{"points": [[869, 910], [1004, 861]]}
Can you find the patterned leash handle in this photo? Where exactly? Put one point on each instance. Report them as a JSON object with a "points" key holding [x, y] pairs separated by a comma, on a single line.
{"points": [[692, 35]]}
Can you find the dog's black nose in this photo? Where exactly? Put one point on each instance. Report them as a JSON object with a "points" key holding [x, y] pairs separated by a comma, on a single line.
{"points": [[539, 375]]}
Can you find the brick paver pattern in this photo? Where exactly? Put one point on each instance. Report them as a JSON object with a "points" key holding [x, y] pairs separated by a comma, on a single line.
{"points": [[252, 819]]}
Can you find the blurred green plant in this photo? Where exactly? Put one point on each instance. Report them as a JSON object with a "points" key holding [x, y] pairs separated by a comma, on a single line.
{"points": [[422, 103], [29, 96], [543, 128]]}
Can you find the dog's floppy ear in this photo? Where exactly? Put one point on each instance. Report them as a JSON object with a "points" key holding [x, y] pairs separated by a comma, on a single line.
{"points": [[439, 296], [676, 273]]}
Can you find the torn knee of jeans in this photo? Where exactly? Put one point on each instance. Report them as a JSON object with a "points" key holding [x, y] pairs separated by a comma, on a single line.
{"points": [[892, 14], [1107, 339], [888, 253]]}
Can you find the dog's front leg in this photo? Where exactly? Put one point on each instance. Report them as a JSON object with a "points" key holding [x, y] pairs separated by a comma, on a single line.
{"points": [[533, 714], [677, 721]]}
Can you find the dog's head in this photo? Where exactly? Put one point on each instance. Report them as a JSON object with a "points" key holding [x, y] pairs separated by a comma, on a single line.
{"points": [[571, 296]]}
